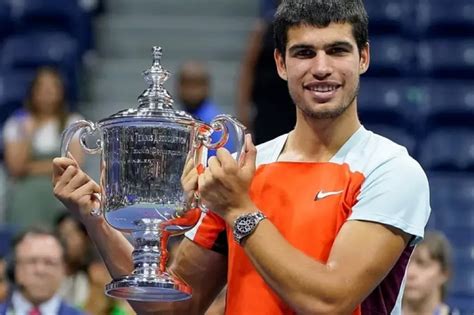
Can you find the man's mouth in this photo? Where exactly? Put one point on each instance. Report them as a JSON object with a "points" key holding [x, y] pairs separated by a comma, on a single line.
{"points": [[322, 92]]}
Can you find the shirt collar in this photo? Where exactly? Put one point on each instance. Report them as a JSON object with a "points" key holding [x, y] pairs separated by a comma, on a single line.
{"points": [[22, 306]]}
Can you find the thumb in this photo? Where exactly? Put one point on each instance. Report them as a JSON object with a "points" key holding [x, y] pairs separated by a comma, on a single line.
{"points": [[69, 155], [250, 155]]}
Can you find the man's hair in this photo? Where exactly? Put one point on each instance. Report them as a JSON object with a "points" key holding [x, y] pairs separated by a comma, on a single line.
{"points": [[439, 250], [37, 231], [320, 13]]}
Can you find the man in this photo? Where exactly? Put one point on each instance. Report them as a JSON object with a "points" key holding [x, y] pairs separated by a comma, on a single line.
{"points": [[38, 272], [322, 220], [193, 90]]}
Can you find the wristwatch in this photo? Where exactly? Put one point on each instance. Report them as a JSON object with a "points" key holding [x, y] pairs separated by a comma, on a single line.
{"points": [[245, 224]]}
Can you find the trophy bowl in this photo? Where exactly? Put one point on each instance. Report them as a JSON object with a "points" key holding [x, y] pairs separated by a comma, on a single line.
{"points": [[143, 154]]}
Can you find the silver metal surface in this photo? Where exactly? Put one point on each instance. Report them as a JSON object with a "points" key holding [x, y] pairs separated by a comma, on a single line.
{"points": [[143, 154]]}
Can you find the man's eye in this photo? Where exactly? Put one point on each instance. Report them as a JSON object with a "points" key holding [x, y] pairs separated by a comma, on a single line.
{"points": [[337, 50], [305, 53]]}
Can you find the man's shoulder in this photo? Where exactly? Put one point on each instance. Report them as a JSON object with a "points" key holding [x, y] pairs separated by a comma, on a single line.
{"points": [[269, 151]]}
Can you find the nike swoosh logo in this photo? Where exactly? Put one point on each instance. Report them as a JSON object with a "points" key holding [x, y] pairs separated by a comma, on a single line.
{"points": [[323, 194]]}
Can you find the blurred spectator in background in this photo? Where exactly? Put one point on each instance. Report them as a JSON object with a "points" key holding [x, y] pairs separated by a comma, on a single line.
{"points": [[75, 286], [194, 90], [38, 272], [97, 302], [3, 280], [263, 101], [32, 138], [428, 274]]}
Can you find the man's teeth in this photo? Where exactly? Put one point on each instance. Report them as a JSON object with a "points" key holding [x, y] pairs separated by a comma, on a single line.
{"points": [[323, 88]]}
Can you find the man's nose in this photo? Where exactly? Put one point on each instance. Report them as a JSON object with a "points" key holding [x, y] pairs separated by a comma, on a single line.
{"points": [[321, 67]]}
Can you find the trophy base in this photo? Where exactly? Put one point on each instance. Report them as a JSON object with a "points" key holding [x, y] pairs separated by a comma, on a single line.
{"points": [[163, 288]]}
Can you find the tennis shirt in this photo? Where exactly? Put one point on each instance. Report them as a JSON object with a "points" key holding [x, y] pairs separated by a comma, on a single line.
{"points": [[370, 178]]}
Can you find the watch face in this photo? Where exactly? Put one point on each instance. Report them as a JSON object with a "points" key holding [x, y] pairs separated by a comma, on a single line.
{"points": [[245, 225]]}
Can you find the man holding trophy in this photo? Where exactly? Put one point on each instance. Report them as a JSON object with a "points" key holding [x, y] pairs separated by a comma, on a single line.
{"points": [[317, 221]]}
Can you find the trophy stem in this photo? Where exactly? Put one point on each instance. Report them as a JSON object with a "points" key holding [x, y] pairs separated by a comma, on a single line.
{"points": [[147, 254], [149, 281]]}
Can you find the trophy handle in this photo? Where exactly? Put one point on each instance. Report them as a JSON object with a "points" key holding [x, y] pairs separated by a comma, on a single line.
{"points": [[86, 128], [219, 124], [203, 142]]}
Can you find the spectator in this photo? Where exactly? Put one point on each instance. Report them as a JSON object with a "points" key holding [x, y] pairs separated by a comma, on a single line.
{"points": [[32, 138], [75, 287], [38, 272], [428, 274], [193, 91], [263, 102], [3, 280]]}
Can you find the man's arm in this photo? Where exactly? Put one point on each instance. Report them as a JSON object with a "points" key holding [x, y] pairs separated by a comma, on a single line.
{"points": [[362, 255], [204, 270]]}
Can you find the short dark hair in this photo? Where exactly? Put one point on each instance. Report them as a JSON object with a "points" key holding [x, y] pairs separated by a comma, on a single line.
{"points": [[320, 13]]}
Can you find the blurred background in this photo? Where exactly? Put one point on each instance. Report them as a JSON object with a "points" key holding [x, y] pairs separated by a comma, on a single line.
{"points": [[419, 90]]}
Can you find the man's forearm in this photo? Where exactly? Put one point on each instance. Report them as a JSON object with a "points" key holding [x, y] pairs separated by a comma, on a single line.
{"points": [[114, 248], [304, 284]]}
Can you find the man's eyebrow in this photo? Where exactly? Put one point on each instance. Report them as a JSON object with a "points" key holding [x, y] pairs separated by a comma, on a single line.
{"points": [[297, 47], [343, 44]]}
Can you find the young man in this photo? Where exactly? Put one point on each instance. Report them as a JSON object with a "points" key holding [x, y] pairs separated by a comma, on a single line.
{"points": [[322, 220]]}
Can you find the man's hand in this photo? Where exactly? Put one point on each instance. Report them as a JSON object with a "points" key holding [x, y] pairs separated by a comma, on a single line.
{"points": [[224, 185], [74, 188], [189, 181]]}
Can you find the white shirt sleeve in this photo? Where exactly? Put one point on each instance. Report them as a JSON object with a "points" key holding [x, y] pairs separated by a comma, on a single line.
{"points": [[395, 193]]}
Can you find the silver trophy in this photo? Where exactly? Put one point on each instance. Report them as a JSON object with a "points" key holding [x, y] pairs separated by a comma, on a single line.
{"points": [[143, 154]]}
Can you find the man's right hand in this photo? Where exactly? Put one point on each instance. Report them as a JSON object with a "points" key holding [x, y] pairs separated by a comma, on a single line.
{"points": [[74, 188]]}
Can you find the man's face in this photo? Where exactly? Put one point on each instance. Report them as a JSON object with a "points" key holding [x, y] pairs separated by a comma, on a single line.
{"points": [[322, 67], [425, 276], [39, 267]]}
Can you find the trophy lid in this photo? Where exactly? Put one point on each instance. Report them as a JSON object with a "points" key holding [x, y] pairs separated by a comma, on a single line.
{"points": [[155, 103]]}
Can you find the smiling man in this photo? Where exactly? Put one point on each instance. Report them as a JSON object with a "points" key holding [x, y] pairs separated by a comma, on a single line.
{"points": [[317, 221]]}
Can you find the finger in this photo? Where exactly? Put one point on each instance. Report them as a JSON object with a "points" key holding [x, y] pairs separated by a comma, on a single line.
{"points": [[77, 181], [60, 165], [227, 162], [250, 155], [88, 189], [188, 167], [66, 176], [69, 154], [214, 165]]}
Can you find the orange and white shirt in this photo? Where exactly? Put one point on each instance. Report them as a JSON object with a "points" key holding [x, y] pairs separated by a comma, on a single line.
{"points": [[370, 178]]}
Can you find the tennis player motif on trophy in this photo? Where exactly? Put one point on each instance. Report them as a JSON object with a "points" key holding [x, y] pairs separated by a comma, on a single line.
{"points": [[143, 154]]}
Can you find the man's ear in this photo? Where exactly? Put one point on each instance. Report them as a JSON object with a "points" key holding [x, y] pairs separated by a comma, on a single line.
{"points": [[364, 59], [280, 64]]}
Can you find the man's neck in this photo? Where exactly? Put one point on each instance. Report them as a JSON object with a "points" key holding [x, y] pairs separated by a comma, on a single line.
{"points": [[318, 140]]}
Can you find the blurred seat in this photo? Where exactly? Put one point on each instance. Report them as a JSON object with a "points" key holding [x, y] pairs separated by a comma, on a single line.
{"points": [[396, 134], [6, 22], [50, 48], [391, 56], [452, 204], [6, 236], [447, 58], [388, 101], [448, 103], [14, 85], [445, 18], [52, 15], [448, 149], [462, 282], [389, 16]]}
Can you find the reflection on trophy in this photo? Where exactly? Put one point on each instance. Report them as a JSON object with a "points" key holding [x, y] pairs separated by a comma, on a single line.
{"points": [[143, 154]]}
